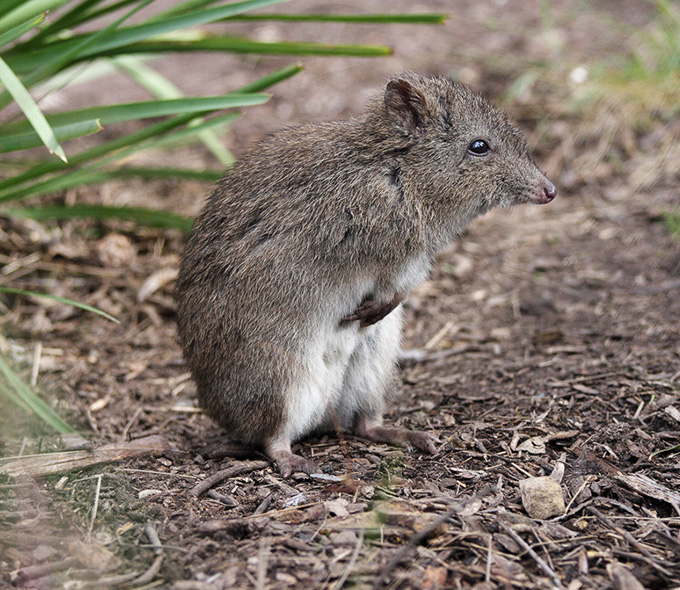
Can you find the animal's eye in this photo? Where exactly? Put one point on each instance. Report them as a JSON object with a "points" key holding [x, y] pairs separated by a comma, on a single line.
{"points": [[478, 147]]}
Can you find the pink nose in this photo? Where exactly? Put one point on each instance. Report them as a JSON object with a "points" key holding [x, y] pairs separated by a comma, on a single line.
{"points": [[549, 191]]}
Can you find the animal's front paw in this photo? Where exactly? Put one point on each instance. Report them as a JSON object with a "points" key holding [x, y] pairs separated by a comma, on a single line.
{"points": [[372, 311]]}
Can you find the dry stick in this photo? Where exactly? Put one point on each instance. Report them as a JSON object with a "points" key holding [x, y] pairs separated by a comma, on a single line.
{"points": [[651, 560], [424, 533], [35, 369], [96, 505], [149, 574], [264, 505], [232, 471], [152, 535], [535, 556], [227, 501], [487, 573], [414, 541], [32, 572], [341, 582], [262, 562], [155, 567]]}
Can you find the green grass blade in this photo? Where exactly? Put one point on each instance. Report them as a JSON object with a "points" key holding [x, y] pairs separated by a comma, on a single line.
{"points": [[183, 135], [78, 14], [70, 302], [140, 215], [19, 30], [94, 173], [58, 59], [162, 88], [30, 109], [411, 19], [150, 173], [11, 189], [271, 79], [29, 400], [243, 45], [25, 62], [185, 7], [13, 396], [23, 141], [26, 11], [9, 192], [135, 111]]}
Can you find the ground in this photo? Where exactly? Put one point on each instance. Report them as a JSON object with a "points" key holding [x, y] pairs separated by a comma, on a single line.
{"points": [[546, 343]]}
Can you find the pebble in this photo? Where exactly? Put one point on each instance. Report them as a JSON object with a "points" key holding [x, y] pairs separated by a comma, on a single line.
{"points": [[542, 497]]}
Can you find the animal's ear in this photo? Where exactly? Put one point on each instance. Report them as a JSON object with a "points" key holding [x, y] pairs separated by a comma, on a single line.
{"points": [[406, 105]]}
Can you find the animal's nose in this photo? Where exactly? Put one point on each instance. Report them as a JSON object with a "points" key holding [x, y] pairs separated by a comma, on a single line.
{"points": [[549, 191]]}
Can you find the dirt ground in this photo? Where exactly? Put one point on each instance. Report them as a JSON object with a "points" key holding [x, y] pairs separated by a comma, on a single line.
{"points": [[547, 343]]}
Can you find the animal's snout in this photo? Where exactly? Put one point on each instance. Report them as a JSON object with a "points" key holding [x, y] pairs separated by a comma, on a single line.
{"points": [[549, 192]]}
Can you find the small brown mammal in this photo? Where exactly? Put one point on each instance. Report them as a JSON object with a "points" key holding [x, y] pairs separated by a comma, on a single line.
{"points": [[289, 288]]}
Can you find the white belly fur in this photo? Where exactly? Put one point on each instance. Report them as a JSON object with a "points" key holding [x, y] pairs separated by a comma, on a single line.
{"points": [[339, 383], [347, 368]]}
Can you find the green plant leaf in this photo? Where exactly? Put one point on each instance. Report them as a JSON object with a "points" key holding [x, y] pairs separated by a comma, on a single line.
{"points": [[30, 109], [28, 61], [135, 111], [271, 79], [201, 41], [70, 302], [23, 141], [19, 30], [164, 89], [27, 10], [422, 19], [140, 215], [21, 395], [151, 173], [59, 58], [79, 13], [124, 146]]}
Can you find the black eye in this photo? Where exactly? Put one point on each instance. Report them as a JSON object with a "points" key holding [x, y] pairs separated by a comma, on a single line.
{"points": [[478, 147]]}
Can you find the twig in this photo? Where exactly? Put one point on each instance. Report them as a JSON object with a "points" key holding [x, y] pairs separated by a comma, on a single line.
{"points": [[262, 561], [535, 556], [155, 567], [131, 421], [651, 560], [220, 476], [51, 463], [35, 369], [152, 535], [352, 560], [95, 507], [38, 571], [425, 532], [227, 501], [489, 553], [261, 509], [414, 541], [149, 574]]}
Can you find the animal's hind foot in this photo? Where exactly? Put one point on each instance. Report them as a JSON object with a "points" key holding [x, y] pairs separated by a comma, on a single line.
{"points": [[370, 429], [287, 461]]}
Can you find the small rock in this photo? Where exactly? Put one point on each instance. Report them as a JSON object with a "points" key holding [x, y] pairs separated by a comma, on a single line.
{"points": [[344, 538], [337, 507], [115, 251], [541, 497]]}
